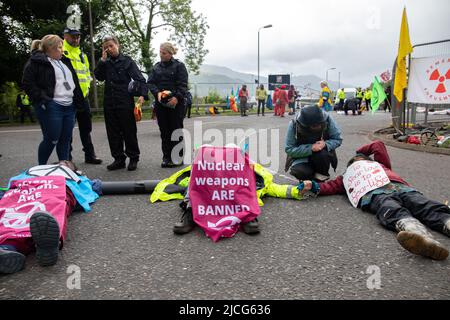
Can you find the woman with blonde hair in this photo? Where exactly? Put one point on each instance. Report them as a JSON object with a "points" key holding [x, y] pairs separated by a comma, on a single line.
{"points": [[168, 83], [52, 86]]}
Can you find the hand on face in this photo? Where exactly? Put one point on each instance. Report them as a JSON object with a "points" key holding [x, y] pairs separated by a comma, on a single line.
{"points": [[111, 48]]}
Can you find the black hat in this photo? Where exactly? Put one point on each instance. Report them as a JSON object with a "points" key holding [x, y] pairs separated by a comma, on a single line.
{"points": [[71, 31], [310, 115]]}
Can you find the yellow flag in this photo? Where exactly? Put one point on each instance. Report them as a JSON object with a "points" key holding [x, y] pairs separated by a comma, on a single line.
{"points": [[404, 48]]}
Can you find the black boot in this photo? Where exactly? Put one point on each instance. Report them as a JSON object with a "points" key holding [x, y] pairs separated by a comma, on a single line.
{"points": [[132, 166], [117, 164], [251, 227], [45, 233], [11, 261], [92, 159], [186, 223], [414, 237]]}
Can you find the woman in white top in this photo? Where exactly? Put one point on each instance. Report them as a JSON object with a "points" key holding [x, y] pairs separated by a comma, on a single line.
{"points": [[52, 85]]}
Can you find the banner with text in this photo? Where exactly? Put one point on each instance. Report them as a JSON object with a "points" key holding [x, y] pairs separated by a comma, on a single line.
{"points": [[361, 178], [222, 191], [26, 197], [429, 80]]}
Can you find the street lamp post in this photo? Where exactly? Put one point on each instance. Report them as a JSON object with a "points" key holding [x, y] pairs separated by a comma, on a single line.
{"points": [[339, 80], [265, 27], [329, 70]]}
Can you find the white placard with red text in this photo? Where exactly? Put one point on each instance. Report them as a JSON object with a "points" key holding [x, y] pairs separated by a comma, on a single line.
{"points": [[361, 178]]}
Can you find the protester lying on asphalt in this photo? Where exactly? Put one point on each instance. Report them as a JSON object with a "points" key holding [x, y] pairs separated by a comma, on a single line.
{"points": [[371, 185], [34, 212]]}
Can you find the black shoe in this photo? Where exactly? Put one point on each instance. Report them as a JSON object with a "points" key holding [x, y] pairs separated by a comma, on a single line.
{"points": [[117, 164], [166, 163], [11, 261], [251, 227], [170, 164], [132, 166], [186, 223], [93, 160], [45, 233], [321, 177]]}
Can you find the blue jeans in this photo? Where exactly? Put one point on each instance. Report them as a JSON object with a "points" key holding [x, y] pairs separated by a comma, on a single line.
{"points": [[57, 123]]}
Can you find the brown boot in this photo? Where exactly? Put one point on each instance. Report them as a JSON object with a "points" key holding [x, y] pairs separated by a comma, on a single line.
{"points": [[414, 237]]}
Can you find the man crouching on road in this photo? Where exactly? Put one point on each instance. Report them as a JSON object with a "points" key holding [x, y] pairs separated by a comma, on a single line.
{"points": [[311, 140]]}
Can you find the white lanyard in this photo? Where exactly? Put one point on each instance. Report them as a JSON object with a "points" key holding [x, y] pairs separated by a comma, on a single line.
{"points": [[62, 69]]}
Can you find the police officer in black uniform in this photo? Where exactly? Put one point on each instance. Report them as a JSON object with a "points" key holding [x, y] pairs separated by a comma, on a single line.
{"points": [[117, 70], [169, 75]]}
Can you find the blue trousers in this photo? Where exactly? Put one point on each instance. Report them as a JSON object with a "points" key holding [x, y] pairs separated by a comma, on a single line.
{"points": [[57, 123]]}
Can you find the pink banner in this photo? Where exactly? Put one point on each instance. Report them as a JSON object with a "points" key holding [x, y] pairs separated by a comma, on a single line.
{"points": [[222, 191], [27, 196]]}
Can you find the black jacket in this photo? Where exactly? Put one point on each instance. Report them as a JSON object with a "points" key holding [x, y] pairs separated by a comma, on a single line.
{"points": [[117, 74], [39, 80], [171, 75]]}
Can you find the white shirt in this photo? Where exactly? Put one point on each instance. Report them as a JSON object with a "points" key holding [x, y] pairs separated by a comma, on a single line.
{"points": [[62, 95]]}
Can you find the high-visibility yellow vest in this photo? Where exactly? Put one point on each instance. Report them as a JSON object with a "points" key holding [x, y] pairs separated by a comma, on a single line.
{"points": [[368, 95], [80, 63], [359, 94], [24, 99], [341, 94], [269, 188]]}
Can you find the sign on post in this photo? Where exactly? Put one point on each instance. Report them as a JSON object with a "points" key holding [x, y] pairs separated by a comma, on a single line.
{"points": [[277, 80]]}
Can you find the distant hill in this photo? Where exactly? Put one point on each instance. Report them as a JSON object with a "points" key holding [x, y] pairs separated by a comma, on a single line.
{"points": [[224, 79]]}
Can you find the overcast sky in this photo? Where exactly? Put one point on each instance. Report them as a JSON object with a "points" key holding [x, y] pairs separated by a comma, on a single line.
{"points": [[357, 37]]}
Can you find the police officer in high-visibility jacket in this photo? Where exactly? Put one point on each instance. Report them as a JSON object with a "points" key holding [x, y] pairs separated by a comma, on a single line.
{"points": [[80, 63], [341, 97], [23, 103], [367, 98], [359, 96]]}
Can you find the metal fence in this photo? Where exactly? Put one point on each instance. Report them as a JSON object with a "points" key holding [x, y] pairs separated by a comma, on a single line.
{"points": [[425, 114]]}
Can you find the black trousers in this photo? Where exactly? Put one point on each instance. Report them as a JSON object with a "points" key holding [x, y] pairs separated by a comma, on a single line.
{"points": [[318, 162], [369, 107], [121, 129], [341, 104], [170, 120], [390, 208], [261, 105], [25, 111], [84, 119]]}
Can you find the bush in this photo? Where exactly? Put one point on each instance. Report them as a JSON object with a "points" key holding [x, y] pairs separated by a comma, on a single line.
{"points": [[213, 97], [8, 96]]}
